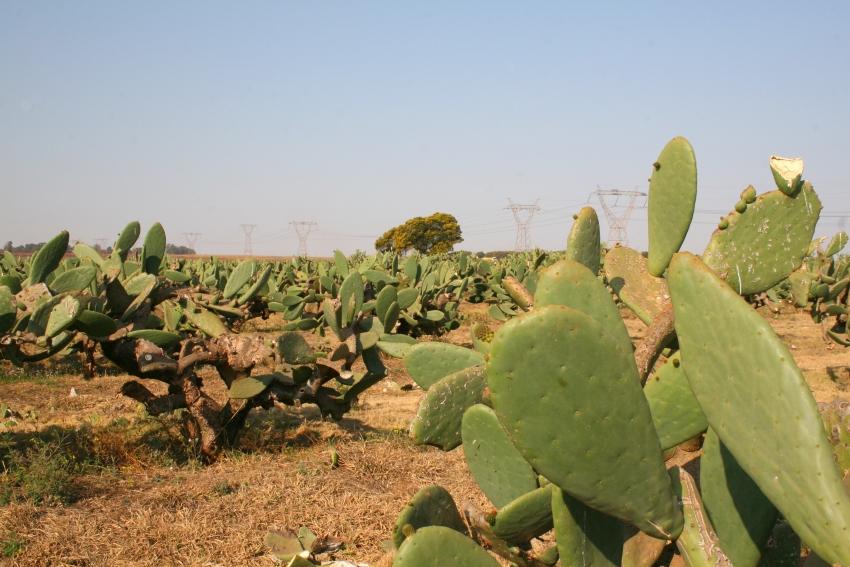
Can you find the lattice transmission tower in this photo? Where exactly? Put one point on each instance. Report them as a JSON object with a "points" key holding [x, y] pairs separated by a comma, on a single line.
{"points": [[523, 225], [610, 199], [302, 229], [191, 238], [248, 228], [102, 243]]}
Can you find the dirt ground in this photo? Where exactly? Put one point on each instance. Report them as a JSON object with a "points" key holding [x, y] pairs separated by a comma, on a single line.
{"points": [[143, 507]]}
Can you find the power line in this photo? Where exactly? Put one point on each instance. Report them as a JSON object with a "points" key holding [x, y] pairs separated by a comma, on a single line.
{"points": [[523, 226], [302, 229], [248, 228]]}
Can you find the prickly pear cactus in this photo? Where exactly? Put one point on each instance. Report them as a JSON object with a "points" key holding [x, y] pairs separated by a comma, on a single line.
{"points": [[698, 543], [628, 275], [675, 412], [527, 517], [836, 419], [584, 535], [427, 363], [431, 506], [439, 418], [583, 244], [437, 546]]}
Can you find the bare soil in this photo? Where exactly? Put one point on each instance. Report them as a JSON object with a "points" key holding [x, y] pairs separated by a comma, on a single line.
{"points": [[144, 507]]}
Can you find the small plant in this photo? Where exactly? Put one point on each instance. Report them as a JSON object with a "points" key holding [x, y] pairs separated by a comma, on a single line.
{"points": [[42, 474], [12, 545]]}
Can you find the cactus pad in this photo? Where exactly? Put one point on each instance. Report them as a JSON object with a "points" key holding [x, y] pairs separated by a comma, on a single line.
{"points": [[585, 536], [698, 543], [498, 468], [293, 349], [757, 401], [741, 514], [571, 284], [154, 249], [428, 363], [431, 506], [440, 416], [571, 401], [672, 197], [583, 245], [766, 243], [438, 546], [250, 386], [47, 259], [75, 279], [628, 275], [639, 549], [675, 411], [526, 517]]}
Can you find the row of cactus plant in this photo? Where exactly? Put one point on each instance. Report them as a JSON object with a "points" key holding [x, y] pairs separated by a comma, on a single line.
{"points": [[565, 423]]}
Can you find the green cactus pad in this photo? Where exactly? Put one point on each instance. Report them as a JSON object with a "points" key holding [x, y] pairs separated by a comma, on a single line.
{"points": [[127, 239], [585, 536], [784, 548], [206, 321], [765, 244], [583, 244], [672, 197], [293, 349], [757, 401], [675, 411], [255, 289], [95, 324], [393, 349], [801, 283], [177, 277], [351, 290], [407, 297], [428, 363], [640, 549], [741, 514], [571, 401], [571, 284], [837, 244], [136, 285], [162, 339], [75, 279], [698, 543], [439, 546], [8, 309], [386, 297], [836, 420], [62, 316], [499, 470], [391, 317], [37, 324], [526, 517], [439, 418], [154, 249], [83, 250], [241, 275], [431, 506], [787, 172], [629, 277], [250, 386], [48, 258]]}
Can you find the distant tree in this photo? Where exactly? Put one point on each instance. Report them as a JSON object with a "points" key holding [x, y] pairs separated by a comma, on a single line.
{"points": [[435, 234], [8, 247], [172, 249]]}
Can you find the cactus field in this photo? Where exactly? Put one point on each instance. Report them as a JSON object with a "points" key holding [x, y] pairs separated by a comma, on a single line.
{"points": [[575, 407]]}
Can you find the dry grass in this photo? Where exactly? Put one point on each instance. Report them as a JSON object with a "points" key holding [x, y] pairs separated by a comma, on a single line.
{"points": [[146, 510]]}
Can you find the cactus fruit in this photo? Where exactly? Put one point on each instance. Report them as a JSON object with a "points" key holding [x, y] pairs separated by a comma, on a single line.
{"points": [[675, 411], [698, 543], [526, 517], [427, 363], [757, 401], [787, 172], [437, 545], [672, 198], [440, 416], [431, 506], [629, 277], [498, 468], [571, 401], [741, 514], [585, 536], [572, 285], [482, 336], [583, 244], [762, 246]]}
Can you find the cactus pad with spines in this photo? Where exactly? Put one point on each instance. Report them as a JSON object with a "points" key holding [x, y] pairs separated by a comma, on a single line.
{"points": [[629, 277], [740, 513], [583, 244], [431, 506], [127, 239], [440, 416], [429, 362], [765, 244], [675, 411], [154, 248], [571, 401], [75, 279], [498, 468], [48, 258], [250, 386], [757, 401], [672, 198], [526, 517], [585, 536], [698, 543], [439, 546], [571, 284]]}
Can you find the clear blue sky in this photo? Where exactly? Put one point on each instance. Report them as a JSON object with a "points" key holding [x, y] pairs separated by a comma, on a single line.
{"points": [[360, 115]]}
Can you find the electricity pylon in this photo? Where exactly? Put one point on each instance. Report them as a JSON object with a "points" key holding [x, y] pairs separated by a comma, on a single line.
{"points": [[523, 226], [248, 228], [617, 223], [101, 243], [302, 229], [191, 238]]}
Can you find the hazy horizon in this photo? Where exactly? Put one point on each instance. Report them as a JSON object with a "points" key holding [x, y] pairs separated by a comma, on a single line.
{"points": [[359, 116]]}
